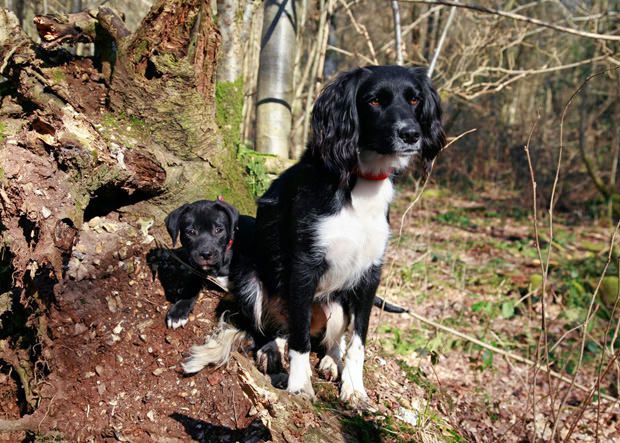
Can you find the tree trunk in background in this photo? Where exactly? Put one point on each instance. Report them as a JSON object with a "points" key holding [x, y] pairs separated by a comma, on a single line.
{"points": [[165, 75], [233, 19], [229, 17], [275, 78]]}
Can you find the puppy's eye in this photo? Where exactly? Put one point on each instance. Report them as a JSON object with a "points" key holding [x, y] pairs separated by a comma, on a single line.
{"points": [[413, 101], [218, 229], [191, 232], [374, 102]]}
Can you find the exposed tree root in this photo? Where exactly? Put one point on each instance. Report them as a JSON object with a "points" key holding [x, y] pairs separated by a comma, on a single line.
{"points": [[26, 423]]}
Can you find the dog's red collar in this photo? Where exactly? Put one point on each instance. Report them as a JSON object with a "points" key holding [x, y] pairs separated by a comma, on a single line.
{"points": [[229, 245], [374, 177]]}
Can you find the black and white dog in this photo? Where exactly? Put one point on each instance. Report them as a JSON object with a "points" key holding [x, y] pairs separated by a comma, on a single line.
{"points": [[322, 226]]}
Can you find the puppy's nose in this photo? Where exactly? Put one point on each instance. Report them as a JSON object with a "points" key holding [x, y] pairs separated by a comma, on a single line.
{"points": [[408, 134], [206, 255]]}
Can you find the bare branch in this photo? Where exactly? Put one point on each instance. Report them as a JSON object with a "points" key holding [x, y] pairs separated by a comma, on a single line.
{"points": [[442, 39], [519, 17], [397, 32]]}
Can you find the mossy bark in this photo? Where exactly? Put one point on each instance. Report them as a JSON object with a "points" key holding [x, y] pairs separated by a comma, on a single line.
{"points": [[165, 75]]}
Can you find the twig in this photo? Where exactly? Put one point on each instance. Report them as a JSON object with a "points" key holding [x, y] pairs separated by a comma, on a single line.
{"points": [[350, 54], [518, 17], [442, 39], [361, 29], [589, 397], [413, 203], [610, 255], [410, 27], [544, 275], [504, 353], [26, 423]]}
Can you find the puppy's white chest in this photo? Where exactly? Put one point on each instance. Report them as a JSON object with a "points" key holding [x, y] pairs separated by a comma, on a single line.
{"points": [[354, 239]]}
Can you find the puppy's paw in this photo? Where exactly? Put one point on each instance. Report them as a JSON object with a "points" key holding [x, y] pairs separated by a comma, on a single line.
{"points": [[279, 381], [270, 358], [178, 314], [329, 368]]}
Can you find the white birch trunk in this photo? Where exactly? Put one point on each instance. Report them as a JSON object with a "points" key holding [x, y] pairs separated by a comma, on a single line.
{"points": [[275, 78]]}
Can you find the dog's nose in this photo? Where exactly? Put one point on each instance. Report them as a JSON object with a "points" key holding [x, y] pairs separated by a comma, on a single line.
{"points": [[408, 134], [206, 255]]}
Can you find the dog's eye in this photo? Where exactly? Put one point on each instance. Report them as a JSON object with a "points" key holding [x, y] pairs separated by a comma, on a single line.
{"points": [[413, 101], [218, 229], [191, 231], [374, 102]]}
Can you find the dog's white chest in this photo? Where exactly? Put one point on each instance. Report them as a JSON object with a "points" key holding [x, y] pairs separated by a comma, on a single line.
{"points": [[354, 239]]}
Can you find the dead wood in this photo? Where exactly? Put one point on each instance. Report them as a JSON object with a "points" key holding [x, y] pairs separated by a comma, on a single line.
{"points": [[129, 133]]}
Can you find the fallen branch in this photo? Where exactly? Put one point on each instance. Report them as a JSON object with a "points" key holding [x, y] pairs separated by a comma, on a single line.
{"points": [[26, 423]]}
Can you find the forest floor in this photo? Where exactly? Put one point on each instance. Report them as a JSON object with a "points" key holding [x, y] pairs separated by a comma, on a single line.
{"points": [[468, 263]]}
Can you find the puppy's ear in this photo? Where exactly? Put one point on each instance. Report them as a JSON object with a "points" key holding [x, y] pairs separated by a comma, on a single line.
{"points": [[232, 214], [172, 222], [335, 125], [433, 136]]}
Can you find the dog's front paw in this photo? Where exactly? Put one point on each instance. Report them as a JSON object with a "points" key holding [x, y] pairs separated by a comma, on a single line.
{"points": [[178, 314], [352, 388], [270, 358], [306, 390], [300, 375], [352, 394], [329, 368]]}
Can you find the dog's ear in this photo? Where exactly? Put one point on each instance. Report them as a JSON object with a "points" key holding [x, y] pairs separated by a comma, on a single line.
{"points": [[232, 214], [433, 136], [172, 222], [335, 125]]}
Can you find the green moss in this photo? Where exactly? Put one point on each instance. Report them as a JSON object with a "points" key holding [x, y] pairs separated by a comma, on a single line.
{"points": [[58, 75], [229, 111], [109, 120], [2, 131], [140, 51]]}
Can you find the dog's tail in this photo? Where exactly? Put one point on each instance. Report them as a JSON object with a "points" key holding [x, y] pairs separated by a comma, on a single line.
{"points": [[216, 351], [388, 307]]}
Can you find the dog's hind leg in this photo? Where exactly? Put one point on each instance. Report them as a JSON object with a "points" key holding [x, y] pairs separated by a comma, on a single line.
{"points": [[352, 389], [330, 366], [303, 283], [270, 358]]}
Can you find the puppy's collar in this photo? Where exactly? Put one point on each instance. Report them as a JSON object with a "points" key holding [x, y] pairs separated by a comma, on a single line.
{"points": [[374, 177], [229, 245]]}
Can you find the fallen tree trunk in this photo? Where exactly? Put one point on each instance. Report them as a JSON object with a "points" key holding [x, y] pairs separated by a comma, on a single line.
{"points": [[93, 153]]}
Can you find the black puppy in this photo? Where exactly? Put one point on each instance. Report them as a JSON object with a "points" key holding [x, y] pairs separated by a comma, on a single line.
{"points": [[207, 230]]}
